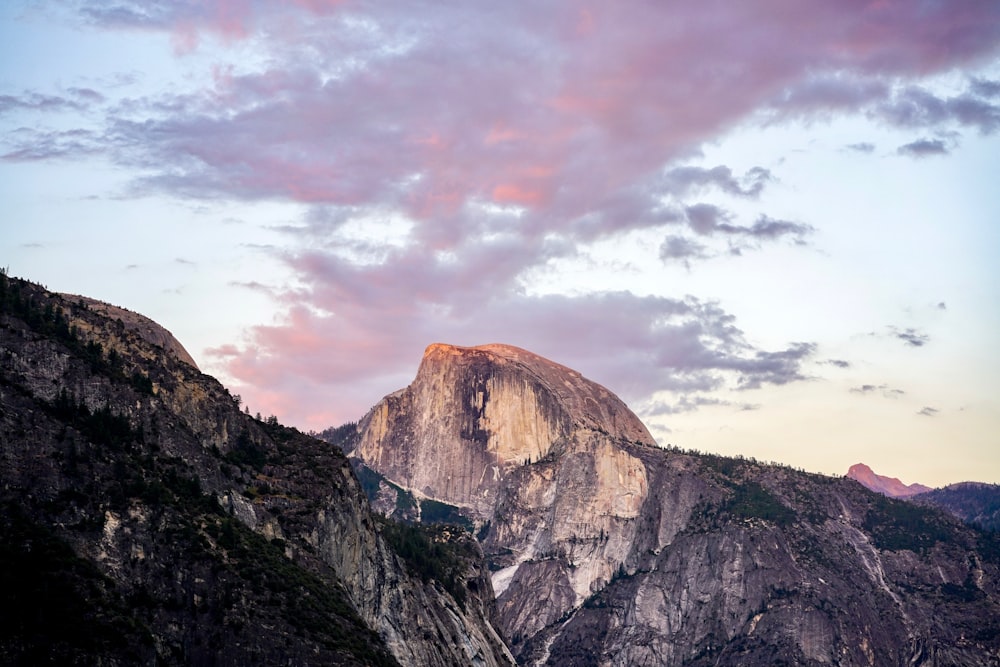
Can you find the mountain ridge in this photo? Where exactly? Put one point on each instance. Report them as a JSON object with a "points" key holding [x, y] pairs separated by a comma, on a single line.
{"points": [[608, 550], [147, 519], [975, 503]]}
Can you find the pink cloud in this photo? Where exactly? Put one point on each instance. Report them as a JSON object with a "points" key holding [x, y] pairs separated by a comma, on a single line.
{"points": [[231, 20], [511, 193], [645, 85], [579, 116], [647, 343]]}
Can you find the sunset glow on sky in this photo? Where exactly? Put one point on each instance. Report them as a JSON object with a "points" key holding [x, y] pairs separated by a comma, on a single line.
{"points": [[773, 228]]}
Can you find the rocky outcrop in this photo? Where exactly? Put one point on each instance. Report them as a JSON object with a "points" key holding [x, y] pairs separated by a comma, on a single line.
{"points": [[147, 520], [608, 550], [887, 486], [146, 328]]}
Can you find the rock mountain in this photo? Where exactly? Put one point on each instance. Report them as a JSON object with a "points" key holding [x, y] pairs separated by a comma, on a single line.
{"points": [[608, 550], [146, 520], [887, 486]]}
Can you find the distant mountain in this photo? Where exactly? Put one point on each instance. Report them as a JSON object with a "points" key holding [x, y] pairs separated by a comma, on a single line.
{"points": [[887, 486], [606, 549], [145, 519], [975, 503]]}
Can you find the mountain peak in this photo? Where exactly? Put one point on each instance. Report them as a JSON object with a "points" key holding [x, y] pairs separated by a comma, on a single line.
{"points": [[474, 414], [578, 400], [500, 352], [860, 470], [887, 486], [500, 349], [554, 459]]}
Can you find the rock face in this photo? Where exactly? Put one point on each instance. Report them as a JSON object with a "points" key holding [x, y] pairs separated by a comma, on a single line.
{"points": [[146, 328], [887, 486], [504, 407], [608, 550], [492, 427], [145, 520]]}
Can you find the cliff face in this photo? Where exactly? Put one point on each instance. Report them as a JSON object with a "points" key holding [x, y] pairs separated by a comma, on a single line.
{"points": [[496, 427], [502, 407], [147, 520], [607, 550]]}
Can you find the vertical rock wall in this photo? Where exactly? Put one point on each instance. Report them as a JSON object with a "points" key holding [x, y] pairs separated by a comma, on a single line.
{"points": [[529, 446]]}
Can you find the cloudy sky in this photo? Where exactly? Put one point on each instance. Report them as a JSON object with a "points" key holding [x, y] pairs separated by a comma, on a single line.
{"points": [[772, 227]]}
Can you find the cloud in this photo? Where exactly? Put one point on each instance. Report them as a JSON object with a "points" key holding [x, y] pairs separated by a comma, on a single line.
{"points": [[256, 286], [883, 389], [393, 79], [681, 248], [839, 363], [34, 101], [378, 323], [928, 411], [706, 219], [89, 95], [766, 228], [824, 93], [923, 148], [680, 181], [75, 100], [709, 220], [29, 145], [228, 19], [910, 336], [660, 408], [776, 368], [915, 107], [501, 139], [984, 87]]}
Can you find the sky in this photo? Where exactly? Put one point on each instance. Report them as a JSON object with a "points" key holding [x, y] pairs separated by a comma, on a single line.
{"points": [[771, 227]]}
